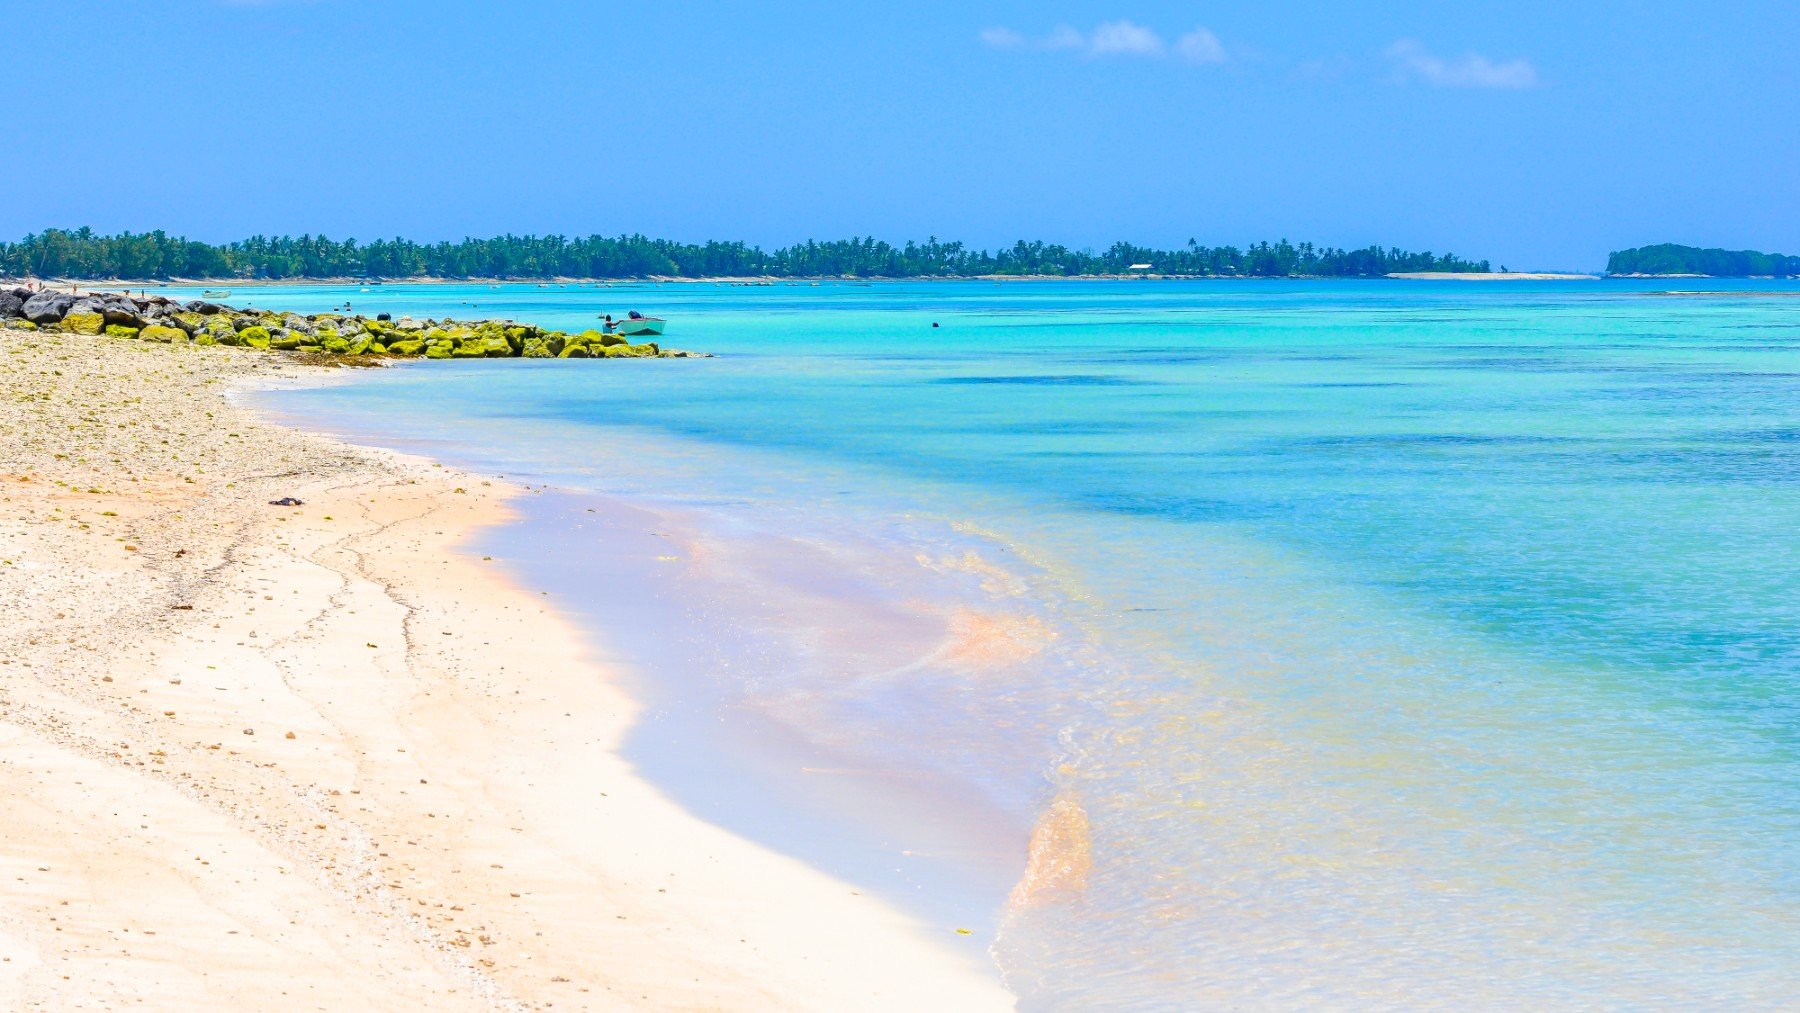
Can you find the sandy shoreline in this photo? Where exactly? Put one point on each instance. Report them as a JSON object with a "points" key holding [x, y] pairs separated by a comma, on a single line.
{"points": [[1493, 276], [316, 757]]}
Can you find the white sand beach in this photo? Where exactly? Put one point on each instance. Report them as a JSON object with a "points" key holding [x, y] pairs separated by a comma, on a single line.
{"points": [[320, 757]]}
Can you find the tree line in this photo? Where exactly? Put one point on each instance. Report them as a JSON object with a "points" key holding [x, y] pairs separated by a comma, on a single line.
{"points": [[1668, 258], [82, 253]]}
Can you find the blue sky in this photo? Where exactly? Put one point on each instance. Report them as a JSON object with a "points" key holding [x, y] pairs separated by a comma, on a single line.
{"points": [[1535, 134]]}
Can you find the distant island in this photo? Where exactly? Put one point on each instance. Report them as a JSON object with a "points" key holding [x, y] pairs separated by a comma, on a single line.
{"points": [[1667, 259], [83, 254]]}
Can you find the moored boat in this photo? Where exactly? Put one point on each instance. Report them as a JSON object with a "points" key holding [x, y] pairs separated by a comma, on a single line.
{"points": [[635, 325], [216, 293]]}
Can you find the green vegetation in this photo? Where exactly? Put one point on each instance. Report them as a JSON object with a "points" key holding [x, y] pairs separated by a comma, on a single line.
{"points": [[1671, 259], [55, 253]]}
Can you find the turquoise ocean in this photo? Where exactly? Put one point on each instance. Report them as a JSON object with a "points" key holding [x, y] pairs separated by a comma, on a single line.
{"points": [[1320, 643]]}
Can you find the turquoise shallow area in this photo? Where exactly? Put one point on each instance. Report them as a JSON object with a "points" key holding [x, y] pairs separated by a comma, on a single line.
{"points": [[1413, 642]]}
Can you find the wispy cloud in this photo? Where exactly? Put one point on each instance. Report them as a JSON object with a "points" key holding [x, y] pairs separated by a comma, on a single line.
{"points": [[1122, 38], [1200, 46], [1003, 38], [1112, 39], [1413, 62]]}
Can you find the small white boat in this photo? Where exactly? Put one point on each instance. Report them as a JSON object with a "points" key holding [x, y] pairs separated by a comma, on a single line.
{"points": [[633, 326], [216, 293]]}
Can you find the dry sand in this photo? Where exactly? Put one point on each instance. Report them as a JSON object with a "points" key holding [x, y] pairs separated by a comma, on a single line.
{"points": [[318, 758]]}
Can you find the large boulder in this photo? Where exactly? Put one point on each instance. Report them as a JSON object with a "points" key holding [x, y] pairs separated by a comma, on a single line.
{"points": [[121, 311], [166, 335], [12, 305], [47, 307], [83, 321], [254, 336], [202, 307], [298, 323], [406, 346]]}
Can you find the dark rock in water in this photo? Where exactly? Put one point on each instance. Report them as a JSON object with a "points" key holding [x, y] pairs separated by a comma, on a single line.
{"points": [[202, 307], [384, 316], [11, 305], [47, 307], [286, 501]]}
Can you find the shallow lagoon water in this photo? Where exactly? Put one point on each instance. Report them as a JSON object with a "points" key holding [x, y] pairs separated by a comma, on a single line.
{"points": [[1401, 642]]}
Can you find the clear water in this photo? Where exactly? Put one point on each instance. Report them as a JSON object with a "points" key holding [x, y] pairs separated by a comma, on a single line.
{"points": [[1398, 643]]}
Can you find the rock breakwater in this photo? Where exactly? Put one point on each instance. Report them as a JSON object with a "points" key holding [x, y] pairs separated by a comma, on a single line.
{"points": [[160, 319]]}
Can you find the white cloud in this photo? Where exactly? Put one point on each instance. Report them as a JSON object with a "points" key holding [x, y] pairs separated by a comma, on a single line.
{"points": [[1200, 46], [1413, 61], [1123, 38], [1113, 38], [1003, 38]]}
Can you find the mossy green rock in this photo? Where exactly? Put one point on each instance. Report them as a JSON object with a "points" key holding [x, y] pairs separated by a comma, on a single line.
{"points": [[310, 348], [536, 348], [225, 336], [335, 344], [203, 339], [121, 331], [498, 347], [362, 345], [165, 335], [470, 350], [613, 339], [575, 352], [437, 351], [377, 348], [194, 320], [286, 342], [84, 323], [255, 337], [406, 346], [21, 325]]}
